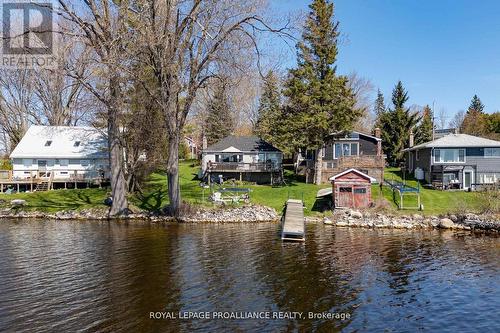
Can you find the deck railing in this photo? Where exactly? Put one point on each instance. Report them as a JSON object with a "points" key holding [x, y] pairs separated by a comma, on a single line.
{"points": [[367, 161], [243, 167], [46, 174]]}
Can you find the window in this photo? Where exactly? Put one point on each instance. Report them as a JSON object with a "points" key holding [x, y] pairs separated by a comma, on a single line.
{"points": [[491, 152], [63, 172], [27, 162], [74, 162], [337, 151], [232, 158], [360, 190], [48, 143], [449, 178], [416, 154], [346, 189], [76, 144], [63, 162], [449, 155], [85, 162], [354, 149], [346, 149]]}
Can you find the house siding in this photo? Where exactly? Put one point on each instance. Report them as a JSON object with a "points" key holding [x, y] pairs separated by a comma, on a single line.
{"points": [[474, 160], [367, 160], [23, 168]]}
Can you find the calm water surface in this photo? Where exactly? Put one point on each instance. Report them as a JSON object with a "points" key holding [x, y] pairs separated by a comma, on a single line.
{"points": [[107, 277]]}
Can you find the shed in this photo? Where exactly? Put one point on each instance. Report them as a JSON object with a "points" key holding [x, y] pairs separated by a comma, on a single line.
{"points": [[352, 188]]}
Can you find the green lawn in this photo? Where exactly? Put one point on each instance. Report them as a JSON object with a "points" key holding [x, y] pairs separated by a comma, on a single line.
{"points": [[156, 196], [57, 200], [434, 201]]}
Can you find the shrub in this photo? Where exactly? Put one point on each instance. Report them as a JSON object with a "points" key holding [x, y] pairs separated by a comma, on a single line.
{"points": [[5, 165]]}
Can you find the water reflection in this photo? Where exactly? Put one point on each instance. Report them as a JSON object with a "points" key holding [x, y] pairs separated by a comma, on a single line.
{"points": [[108, 277]]}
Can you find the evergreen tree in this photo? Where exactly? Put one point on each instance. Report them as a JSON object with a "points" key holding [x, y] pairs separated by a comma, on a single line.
{"points": [[396, 125], [476, 105], [425, 128], [269, 110], [379, 109], [320, 102], [475, 120], [219, 122]]}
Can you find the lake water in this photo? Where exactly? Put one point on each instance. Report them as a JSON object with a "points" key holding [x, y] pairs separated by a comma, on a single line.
{"points": [[65, 276]]}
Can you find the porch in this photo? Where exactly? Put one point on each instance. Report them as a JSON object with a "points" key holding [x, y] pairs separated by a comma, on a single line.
{"points": [[243, 167], [43, 179]]}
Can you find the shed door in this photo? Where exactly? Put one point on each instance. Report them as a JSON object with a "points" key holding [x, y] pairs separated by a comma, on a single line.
{"points": [[360, 197], [345, 196]]}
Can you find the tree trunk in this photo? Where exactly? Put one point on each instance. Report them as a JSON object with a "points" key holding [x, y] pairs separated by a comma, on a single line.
{"points": [[318, 166], [174, 193], [118, 183]]}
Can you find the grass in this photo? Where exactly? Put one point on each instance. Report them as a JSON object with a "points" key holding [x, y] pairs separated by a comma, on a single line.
{"points": [[155, 195], [58, 200], [435, 202]]}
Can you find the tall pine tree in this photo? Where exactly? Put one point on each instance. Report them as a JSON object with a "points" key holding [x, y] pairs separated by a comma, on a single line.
{"points": [[396, 125], [476, 105], [320, 102], [269, 110], [424, 129], [475, 120], [219, 122], [379, 109]]}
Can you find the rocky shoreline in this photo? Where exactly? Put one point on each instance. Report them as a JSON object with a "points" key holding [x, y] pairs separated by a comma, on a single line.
{"points": [[256, 213], [353, 218], [249, 213]]}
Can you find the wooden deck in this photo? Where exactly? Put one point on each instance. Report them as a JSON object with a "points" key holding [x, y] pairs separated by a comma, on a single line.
{"points": [[293, 228]]}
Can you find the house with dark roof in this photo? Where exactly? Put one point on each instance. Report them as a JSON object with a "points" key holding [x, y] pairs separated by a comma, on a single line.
{"points": [[346, 150], [455, 161], [247, 158]]}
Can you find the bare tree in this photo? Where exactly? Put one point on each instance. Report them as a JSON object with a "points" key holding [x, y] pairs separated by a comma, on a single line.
{"points": [[186, 43], [101, 25], [442, 116], [457, 120], [16, 105], [362, 89], [62, 99]]}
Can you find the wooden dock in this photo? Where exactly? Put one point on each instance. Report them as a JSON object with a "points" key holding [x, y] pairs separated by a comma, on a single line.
{"points": [[293, 228]]}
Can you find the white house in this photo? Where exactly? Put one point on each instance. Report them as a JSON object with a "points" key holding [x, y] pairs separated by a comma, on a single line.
{"points": [[62, 153], [244, 157]]}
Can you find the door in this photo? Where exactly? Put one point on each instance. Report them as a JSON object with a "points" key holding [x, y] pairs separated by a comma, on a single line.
{"points": [[468, 179], [360, 197], [345, 196]]}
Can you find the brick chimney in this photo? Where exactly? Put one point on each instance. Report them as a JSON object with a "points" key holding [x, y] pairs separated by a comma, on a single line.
{"points": [[412, 139], [379, 142]]}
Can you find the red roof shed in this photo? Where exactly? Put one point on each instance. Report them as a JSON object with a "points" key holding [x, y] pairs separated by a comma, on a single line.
{"points": [[352, 188]]}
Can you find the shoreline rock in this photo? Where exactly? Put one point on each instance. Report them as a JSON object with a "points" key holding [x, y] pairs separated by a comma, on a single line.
{"points": [[353, 218], [248, 213], [257, 213]]}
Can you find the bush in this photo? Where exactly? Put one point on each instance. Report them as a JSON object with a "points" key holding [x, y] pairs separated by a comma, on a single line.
{"points": [[184, 152], [5, 165], [489, 202]]}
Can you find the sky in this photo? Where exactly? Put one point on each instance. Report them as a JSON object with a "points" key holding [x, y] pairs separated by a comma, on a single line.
{"points": [[444, 51]]}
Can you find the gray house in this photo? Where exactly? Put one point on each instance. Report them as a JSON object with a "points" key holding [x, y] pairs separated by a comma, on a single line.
{"points": [[246, 158], [346, 150], [456, 161]]}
